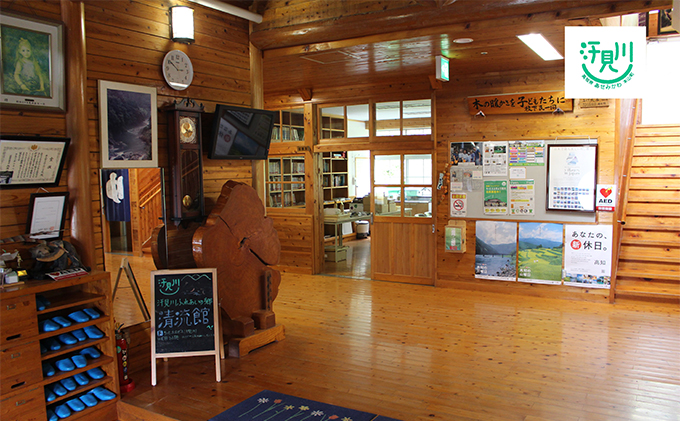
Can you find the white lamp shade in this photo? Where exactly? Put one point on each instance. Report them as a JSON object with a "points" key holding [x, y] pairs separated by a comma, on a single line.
{"points": [[182, 24]]}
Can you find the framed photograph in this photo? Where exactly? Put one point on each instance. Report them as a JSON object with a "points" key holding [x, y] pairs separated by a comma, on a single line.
{"points": [[665, 25], [128, 116], [572, 178], [31, 161], [32, 51], [47, 215]]}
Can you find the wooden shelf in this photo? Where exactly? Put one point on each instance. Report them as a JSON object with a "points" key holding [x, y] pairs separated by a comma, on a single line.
{"points": [[80, 389], [65, 349], [74, 326], [69, 301]]}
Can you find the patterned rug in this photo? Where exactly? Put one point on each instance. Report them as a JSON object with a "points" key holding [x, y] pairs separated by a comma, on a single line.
{"points": [[272, 406]]}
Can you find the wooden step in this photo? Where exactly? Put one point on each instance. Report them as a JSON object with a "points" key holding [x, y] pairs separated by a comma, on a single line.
{"points": [[647, 289], [652, 224], [128, 412], [656, 209], [655, 172], [651, 184], [669, 277], [666, 151]]}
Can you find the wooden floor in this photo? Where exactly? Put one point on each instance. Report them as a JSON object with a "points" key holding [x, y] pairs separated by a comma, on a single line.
{"points": [[420, 353], [357, 264]]}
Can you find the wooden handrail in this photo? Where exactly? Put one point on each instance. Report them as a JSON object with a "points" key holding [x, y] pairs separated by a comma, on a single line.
{"points": [[626, 125], [150, 196]]}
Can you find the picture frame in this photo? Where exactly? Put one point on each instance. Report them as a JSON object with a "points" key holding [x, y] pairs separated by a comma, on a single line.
{"points": [[128, 139], [31, 161], [571, 177], [47, 216], [33, 62], [665, 23]]}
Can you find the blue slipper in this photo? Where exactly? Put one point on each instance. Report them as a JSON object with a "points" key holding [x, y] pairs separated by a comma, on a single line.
{"points": [[62, 411], [51, 416], [94, 314], [91, 352], [43, 348], [93, 332], [79, 317], [49, 394], [69, 384], [47, 369], [96, 373], [89, 400], [48, 326], [79, 334], [79, 361], [41, 302], [51, 344], [102, 393], [58, 389], [65, 365], [81, 379], [67, 339], [76, 405], [62, 321]]}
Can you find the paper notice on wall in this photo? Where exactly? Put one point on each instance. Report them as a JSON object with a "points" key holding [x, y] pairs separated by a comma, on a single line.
{"points": [[496, 197], [495, 159], [522, 197], [526, 152], [540, 253], [606, 197], [496, 250], [587, 255], [458, 205]]}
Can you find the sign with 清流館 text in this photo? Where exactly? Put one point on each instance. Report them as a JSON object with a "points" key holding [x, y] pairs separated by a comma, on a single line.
{"points": [[520, 103], [185, 317]]}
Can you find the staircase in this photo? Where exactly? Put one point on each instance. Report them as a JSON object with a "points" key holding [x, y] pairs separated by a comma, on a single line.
{"points": [[649, 253]]}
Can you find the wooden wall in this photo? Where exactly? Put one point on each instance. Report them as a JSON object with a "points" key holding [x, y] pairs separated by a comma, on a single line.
{"points": [[126, 42], [14, 202], [454, 124]]}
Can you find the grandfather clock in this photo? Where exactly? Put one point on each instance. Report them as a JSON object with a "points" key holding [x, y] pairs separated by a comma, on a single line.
{"points": [[186, 162]]}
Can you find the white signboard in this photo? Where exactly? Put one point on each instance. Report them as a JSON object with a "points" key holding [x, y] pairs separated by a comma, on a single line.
{"points": [[606, 197], [604, 62], [458, 205], [587, 255]]}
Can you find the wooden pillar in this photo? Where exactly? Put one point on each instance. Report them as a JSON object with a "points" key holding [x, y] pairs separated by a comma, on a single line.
{"points": [[78, 160], [257, 101]]}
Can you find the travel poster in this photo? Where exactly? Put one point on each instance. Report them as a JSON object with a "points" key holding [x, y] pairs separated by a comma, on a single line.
{"points": [[526, 152], [540, 253], [587, 255], [496, 197], [522, 194], [495, 159], [496, 250]]}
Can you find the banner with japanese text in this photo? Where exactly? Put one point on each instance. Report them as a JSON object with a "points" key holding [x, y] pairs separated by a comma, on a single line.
{"points": [[587, 255]]}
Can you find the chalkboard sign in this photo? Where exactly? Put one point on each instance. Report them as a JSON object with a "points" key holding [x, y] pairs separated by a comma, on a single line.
{"points": [[185, 319]]}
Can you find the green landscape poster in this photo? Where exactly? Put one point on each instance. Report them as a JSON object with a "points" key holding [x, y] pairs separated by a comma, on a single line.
{"points": [[540, 253]]}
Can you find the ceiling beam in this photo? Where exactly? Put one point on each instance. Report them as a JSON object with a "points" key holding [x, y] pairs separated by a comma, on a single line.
{"points": [[394, 25]]}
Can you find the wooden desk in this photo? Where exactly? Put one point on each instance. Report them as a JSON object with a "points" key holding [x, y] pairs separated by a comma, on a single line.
{"points": [[337, 248]]}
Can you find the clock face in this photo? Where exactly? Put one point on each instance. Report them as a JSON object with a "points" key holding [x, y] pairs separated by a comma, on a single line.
{"points": [[187, 130], [178, 70]]}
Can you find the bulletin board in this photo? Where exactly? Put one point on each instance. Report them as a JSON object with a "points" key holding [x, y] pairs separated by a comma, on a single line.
{"points": [[513, 186]]}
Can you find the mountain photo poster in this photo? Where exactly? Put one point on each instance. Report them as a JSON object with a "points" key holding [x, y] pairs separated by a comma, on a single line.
{"points": [[496, 250], [540, 253]]}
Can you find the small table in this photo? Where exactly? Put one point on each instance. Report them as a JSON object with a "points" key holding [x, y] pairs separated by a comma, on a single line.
{"points": [[337, 249]]}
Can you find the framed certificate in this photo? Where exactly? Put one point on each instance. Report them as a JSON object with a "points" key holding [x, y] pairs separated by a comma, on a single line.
{"points": [[572, 178], [46, 215], [31, 161]]}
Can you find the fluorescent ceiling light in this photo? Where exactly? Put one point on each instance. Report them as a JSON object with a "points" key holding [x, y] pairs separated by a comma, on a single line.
{"points": [[541, 46]]}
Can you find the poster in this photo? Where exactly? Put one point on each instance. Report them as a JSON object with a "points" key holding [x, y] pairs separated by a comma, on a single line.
{"points": [[522, 197], [606, 197], [540, 253], [526, 152], [466, 153], [466, 177], [587, 255], [453, 239], [571, 177], [496, 250], [458, 205], [496, 197], [495, 159]]}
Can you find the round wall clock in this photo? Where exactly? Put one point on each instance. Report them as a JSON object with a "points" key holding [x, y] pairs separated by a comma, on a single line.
{"points": [[178, 70]]}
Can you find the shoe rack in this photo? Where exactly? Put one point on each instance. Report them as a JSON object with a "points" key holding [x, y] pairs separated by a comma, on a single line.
{"points": [[25, 380]]}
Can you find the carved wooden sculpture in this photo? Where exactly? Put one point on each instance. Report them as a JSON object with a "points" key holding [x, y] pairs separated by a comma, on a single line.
{"points": [[240, 241]]}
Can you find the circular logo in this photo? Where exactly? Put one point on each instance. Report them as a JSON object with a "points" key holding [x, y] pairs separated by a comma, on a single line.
{"points": [[575, 244], [458, 205]]}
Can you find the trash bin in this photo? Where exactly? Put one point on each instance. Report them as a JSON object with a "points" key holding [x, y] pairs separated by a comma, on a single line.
{"points": [[362, 229]]}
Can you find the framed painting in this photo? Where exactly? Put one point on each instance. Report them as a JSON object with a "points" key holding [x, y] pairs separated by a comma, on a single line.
{"points": [[47, 215], [32, 51], [31, 161], [128, 116], [665, 22]]}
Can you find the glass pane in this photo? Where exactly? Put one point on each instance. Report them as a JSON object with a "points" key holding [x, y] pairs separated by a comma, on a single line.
{"points": [[357, 120], [386, 201], [418, 201], [387, 117], [418, 169], [276, 133], [332, 122], [417, 117], [387, 169]]}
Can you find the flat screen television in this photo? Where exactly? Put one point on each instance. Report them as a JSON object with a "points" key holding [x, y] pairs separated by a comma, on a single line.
{"points": [[240, 133]]}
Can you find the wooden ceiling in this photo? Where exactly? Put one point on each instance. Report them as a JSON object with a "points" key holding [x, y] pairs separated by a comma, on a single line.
{"points": [[308, 44]]}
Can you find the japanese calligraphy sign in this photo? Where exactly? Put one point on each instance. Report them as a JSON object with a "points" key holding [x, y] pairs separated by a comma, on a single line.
{"points": [[522, 103], [587, 255], [604, 62], [30, 161], [185, 315]]}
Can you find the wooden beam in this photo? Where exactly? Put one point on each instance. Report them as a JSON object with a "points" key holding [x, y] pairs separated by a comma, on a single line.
{"points": [[393, 25], [305, 93]]}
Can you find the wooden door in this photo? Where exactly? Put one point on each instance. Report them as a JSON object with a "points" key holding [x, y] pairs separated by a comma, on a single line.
{"points": [[146, 205], [402, 236]]}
